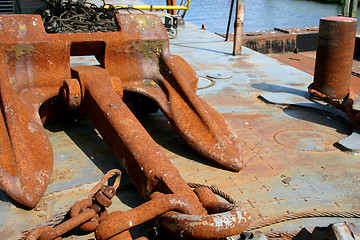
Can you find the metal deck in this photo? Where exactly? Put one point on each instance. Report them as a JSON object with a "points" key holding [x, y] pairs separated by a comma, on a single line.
{"points": [[290, 161]]}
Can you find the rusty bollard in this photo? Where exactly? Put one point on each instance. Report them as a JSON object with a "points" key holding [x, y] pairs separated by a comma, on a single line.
{"points": [[334, 56]]}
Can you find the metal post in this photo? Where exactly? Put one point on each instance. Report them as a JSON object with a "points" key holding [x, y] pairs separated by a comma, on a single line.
{"points": [[239, 22], [171, 3], [334, 56], [346, 8], [354, 8], [17, 8], [350, 8], [229, 21]]}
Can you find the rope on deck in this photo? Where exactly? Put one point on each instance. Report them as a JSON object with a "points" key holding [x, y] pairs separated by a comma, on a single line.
{"points": [[281, 235], [310, 214], [287, 217], [215, 190]]}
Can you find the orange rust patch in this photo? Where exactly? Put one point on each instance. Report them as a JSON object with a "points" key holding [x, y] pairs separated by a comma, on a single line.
{"points": [[243, 63], [228, 96], [307, 64], [244, 116], [58, 175], [297, 84]]}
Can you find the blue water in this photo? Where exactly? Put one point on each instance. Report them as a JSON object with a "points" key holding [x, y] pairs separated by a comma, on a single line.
{"points": [[259, 14]]}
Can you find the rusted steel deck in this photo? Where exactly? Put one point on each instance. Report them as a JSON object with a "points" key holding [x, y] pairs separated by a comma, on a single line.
{"points": [[291, 164], [305, 61], [280, 40]]}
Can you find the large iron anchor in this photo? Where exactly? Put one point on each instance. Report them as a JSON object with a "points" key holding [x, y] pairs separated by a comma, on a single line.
{"points": [[33, 68]]}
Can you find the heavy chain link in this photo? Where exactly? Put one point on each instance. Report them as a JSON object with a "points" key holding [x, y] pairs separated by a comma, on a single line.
{"points": [[345, 105], [85, 213]]}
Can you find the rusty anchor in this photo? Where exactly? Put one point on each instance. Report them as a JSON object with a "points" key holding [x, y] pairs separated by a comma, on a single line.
{"points": [[35, 74]]}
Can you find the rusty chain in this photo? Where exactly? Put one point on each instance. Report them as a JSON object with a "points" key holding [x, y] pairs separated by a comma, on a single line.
{"points": [[88, 213], [61, 16], [345, 105], [85, 213], [77, 17]]}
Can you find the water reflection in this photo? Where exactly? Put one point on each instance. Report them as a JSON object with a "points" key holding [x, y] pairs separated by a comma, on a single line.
{"points": [[259, 14]]}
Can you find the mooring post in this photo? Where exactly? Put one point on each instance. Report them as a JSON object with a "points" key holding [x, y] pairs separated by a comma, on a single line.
{"points": [[238, 26], [334, 56]]}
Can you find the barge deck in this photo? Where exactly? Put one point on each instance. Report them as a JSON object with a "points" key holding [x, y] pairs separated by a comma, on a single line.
{"points": [[292, 162]]}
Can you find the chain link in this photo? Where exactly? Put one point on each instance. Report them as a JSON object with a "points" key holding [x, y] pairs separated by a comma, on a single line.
{"points": [[85, 213], [345, 105]]}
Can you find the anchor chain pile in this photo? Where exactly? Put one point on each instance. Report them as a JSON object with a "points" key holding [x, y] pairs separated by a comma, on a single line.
{"points": [[61, 16], [67, 17]]}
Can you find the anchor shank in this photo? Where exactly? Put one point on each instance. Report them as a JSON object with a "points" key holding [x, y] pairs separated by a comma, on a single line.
{"points": [[147, 166]]}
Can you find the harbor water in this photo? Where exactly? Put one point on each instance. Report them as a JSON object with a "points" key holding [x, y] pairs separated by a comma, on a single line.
{"points": [[259, 14]]}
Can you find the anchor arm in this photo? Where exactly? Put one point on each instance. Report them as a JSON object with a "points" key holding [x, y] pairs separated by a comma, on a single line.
{"points": [[199, 124], [26, 158]]}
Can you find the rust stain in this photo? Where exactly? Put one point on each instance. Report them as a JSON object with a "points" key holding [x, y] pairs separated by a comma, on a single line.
{"points": [[244, 116], [297, 84], [241, 62], [306, 64], [230, 97], [303, 63], [61, 175]]}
